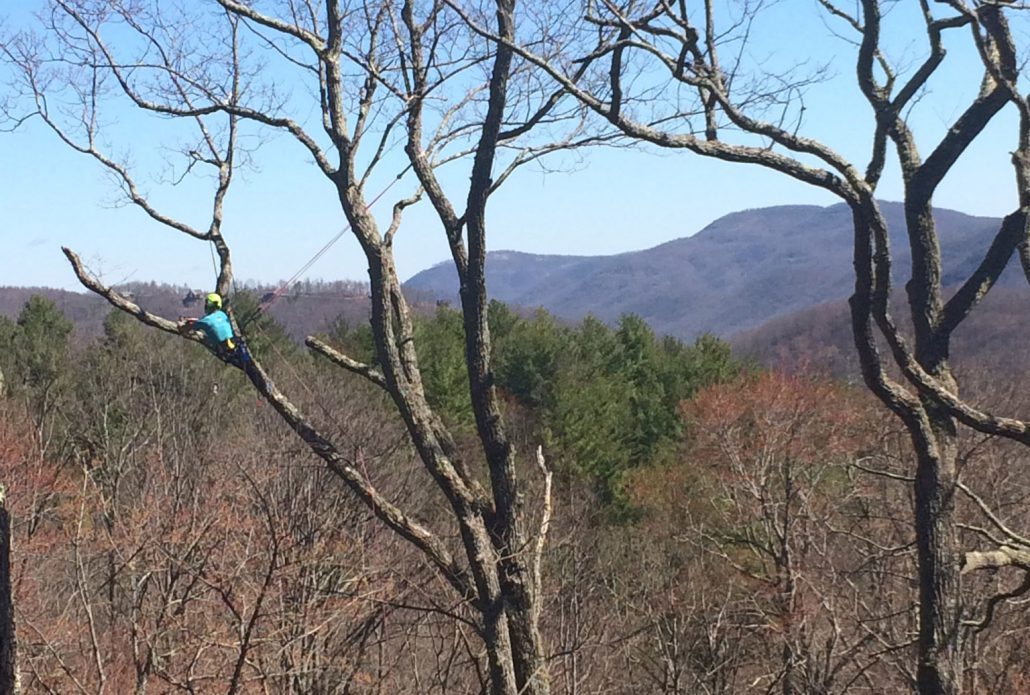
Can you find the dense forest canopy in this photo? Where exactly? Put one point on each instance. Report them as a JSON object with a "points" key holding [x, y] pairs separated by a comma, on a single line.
{"points": [[717, 524]]}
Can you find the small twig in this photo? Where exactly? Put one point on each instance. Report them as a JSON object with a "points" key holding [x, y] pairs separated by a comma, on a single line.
{"points": [[998, 524], [883, 473]]}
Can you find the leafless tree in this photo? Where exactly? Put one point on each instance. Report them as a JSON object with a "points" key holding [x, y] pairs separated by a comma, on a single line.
{"points": [[380, 76], [9, 678], [678, 75]]}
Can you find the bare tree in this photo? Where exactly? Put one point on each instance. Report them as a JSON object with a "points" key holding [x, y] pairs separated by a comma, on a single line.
{"points": [[9, 680], [380, 75], [678, 76]]}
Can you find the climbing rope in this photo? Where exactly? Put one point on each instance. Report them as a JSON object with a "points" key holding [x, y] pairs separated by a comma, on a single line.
{"points": [[284, 286], [214, 265], [279, 291]]}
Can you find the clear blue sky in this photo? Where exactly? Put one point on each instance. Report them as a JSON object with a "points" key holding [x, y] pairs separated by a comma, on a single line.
{"points": [[283, 211]]}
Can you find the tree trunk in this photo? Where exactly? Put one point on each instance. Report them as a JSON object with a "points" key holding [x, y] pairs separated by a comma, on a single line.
{"points": [[933, 434], [939, 670], [9, 682], [530, 668], [507, 525]]}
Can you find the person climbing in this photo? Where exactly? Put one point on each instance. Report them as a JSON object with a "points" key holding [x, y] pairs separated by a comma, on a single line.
{"points": [[218, 332]]}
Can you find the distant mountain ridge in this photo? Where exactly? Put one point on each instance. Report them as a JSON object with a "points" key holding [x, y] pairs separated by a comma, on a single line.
{"points": [[749, 269], [740, 271]]}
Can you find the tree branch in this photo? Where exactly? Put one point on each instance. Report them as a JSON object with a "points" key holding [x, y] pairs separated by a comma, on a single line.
{"points": [[1013, 231], [338, 358], [541, 537], [411, 530], [121, 302]]}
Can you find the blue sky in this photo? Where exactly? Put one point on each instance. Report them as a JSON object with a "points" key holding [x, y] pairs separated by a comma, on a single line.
{"points": [[282, 211]]}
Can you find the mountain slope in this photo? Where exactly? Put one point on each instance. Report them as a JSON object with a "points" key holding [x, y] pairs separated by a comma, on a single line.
{"points": [[740, 272], [737, 273], [990, 346]]}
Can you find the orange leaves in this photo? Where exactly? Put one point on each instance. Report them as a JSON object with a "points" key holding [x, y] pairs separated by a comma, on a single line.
{"points": [[790, 416]]}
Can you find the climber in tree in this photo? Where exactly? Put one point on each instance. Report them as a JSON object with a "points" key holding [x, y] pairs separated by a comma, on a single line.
{"points": [[218, 332]]}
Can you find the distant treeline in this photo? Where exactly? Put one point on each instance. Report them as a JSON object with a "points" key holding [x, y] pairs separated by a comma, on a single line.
{"points": [[306, 307]]}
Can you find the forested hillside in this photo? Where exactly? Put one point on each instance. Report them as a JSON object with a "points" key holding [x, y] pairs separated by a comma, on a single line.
{"points": [[816, 337], [992, 344], [304, 308], [713, 523], [738, 272]]}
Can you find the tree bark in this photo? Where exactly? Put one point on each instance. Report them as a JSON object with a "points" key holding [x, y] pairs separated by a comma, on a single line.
{"points": [[9, 681], [507, 527], [939, 671]]}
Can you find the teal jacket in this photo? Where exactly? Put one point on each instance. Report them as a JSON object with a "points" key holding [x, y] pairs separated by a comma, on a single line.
{"points": [[216, 327]]}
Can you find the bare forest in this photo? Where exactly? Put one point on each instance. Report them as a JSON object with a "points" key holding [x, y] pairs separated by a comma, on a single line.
{"points": [[477, 500]]}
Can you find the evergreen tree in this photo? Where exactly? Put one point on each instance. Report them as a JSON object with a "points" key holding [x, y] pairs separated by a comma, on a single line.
{"points": [[41, 344], [528, 354], [441, 341], [8, 330]]}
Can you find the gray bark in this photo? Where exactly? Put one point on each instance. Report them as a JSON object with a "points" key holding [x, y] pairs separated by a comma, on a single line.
{"points": [[9, 681], [508, 532]]}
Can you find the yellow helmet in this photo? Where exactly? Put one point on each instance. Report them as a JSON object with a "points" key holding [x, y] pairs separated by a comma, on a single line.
{"points": [[213, 301]]}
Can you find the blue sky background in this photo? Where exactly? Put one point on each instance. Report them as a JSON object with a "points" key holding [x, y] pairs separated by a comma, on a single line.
{"points": [[611, 201]]}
